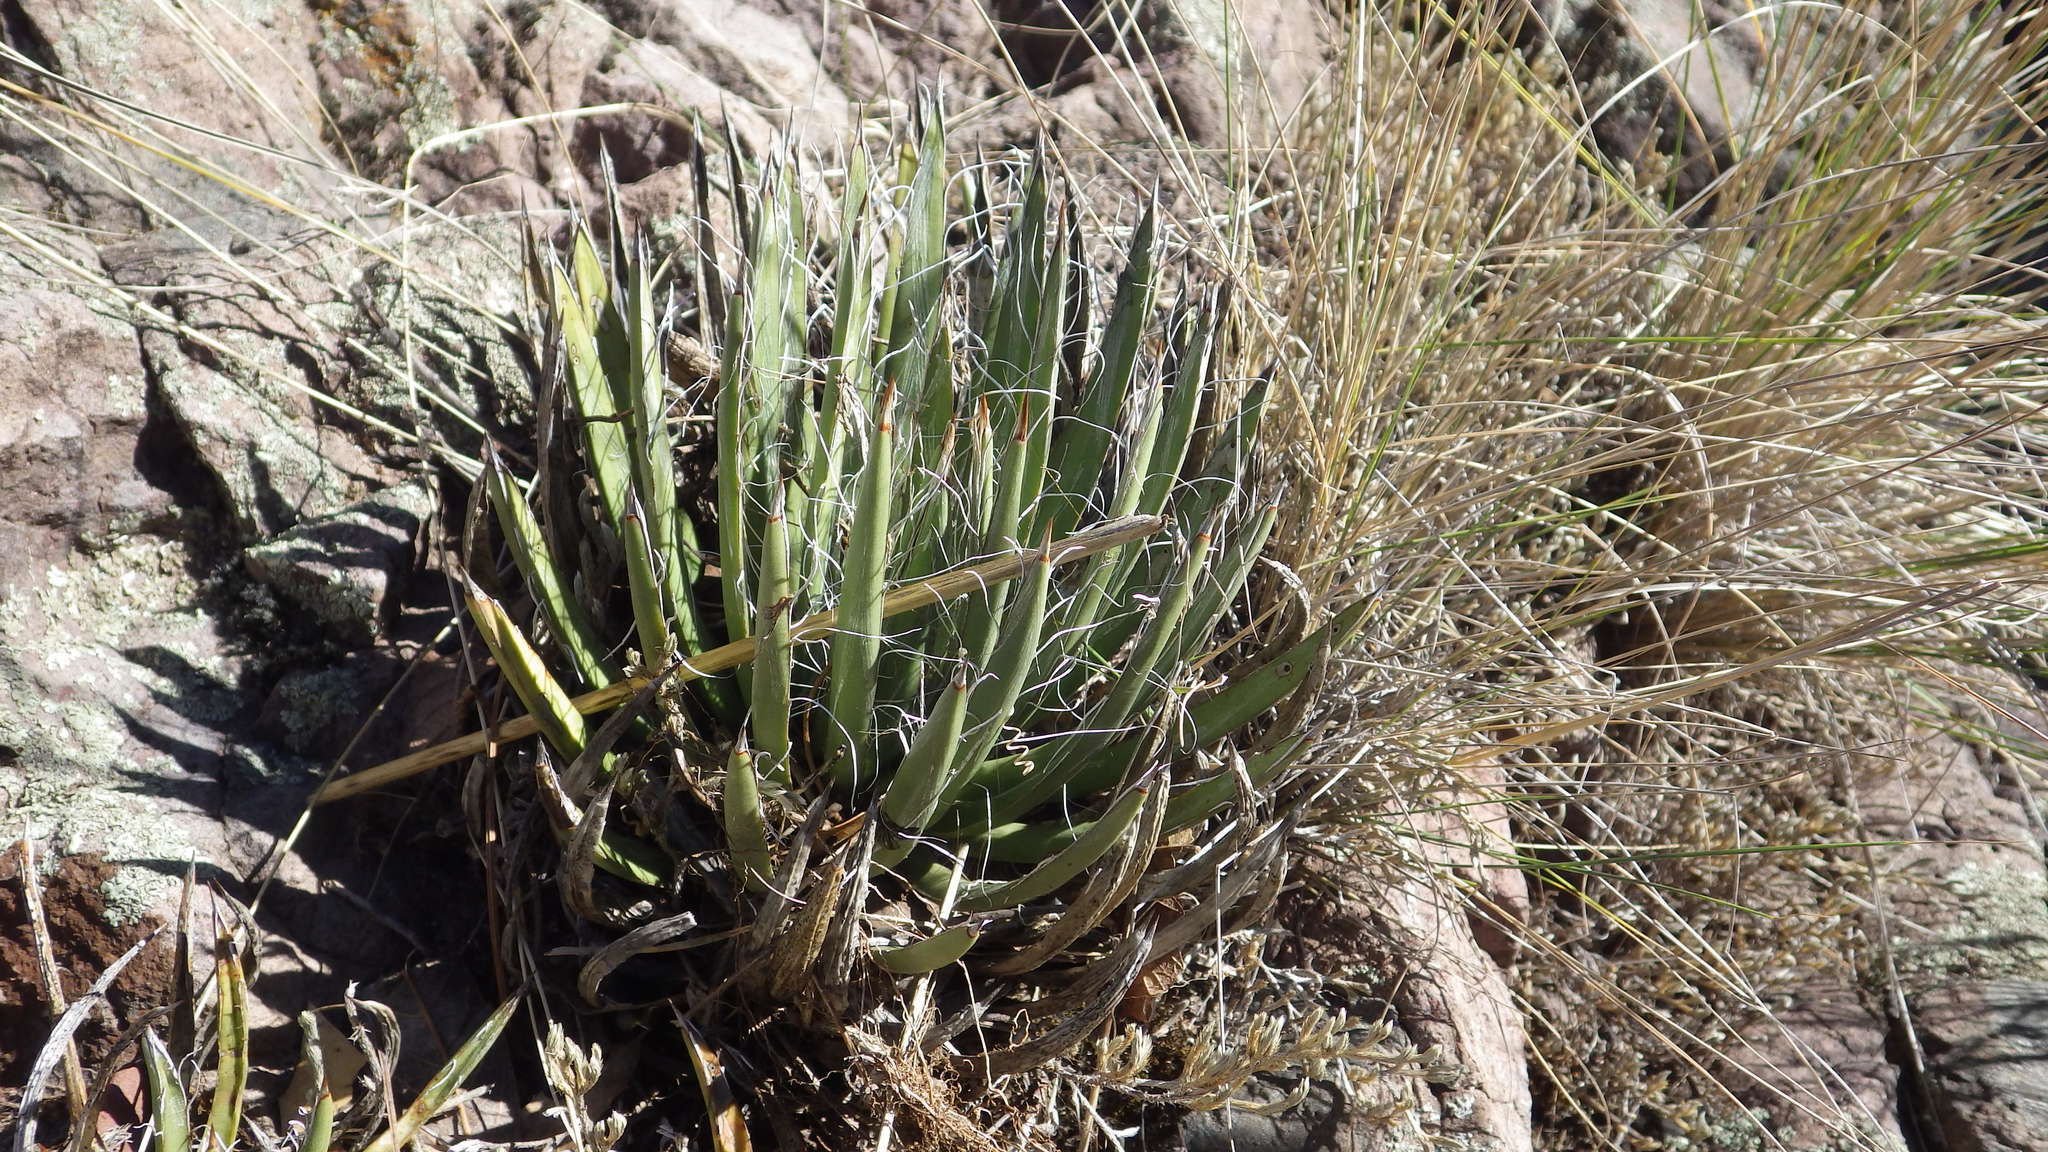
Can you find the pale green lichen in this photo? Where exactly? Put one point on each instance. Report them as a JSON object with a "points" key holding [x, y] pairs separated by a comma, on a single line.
{"points": [[103, 642], [1999, 929]]}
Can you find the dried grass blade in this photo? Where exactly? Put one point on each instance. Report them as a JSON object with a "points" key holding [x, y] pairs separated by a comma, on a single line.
{"points": [[795, 954], [946, 586], [47, 975], [579, 856], [1076, 1012], [639, 940], [728, 1127]]}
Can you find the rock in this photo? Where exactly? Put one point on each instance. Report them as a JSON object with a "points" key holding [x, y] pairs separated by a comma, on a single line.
{"points": [[73, 406], [124, 686], [1237, 70], [237, 68], [317, 708], [1987, 1052], [641, 143], [345, 569], [757, 58], [235, 349], [1822, 1069], [1207, 72], [464, 301], [1456, 997], [1320, 1122], [269, 463], [1413, 941], [1966, 899]]}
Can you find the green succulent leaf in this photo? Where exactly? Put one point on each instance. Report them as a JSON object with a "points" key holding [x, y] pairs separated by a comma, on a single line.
{"points": [[857, 638], [607, 449], [927, 767], [1087, 847], [560, 723], [746, 831], [910, 395], [650, 614], [775, 601], [1083, 443], [567, 619], [931, 953]]}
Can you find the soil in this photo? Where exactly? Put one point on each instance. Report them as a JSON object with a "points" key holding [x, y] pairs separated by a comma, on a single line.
{"points": [[85, 940]]}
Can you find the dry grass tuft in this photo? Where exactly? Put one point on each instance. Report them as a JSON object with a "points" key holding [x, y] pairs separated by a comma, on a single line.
{"points": [[1679, 519]]}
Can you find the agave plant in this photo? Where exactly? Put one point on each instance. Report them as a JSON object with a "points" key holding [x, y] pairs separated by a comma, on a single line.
{"points": [[921, 637]]}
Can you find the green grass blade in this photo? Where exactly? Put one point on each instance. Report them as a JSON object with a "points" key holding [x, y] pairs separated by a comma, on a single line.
{"points": [[231, 1066], [446, 1083], [1035, 400], [1018, 298], [1134, 683], [777, 290], [978, 506], [1245, 698], [168, 1105], [653, 448], [1226, 579], [1102, 586]]}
